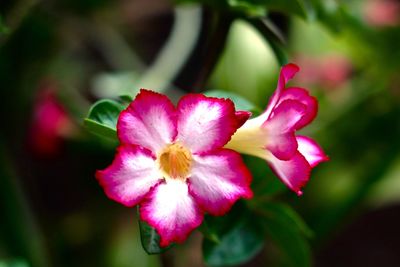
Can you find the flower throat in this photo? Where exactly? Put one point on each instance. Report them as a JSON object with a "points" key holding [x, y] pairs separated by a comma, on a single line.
{"points": [[175, 161]]}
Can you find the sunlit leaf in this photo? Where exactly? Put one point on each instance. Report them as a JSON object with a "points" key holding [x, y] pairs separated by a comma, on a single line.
{"points": [[247, 8], [273, 36]]}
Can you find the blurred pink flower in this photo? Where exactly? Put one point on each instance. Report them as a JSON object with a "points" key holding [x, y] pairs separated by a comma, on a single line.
{"points": [[327, 71], [171, 161], [271, 135], [382, 13], [50, 124]]}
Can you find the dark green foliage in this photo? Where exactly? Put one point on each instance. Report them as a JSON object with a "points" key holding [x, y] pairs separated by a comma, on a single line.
{"points": [[235, 238], [150, 239]]}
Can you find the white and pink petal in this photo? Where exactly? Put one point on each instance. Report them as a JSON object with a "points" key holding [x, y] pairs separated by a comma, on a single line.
{"points": [[218, 180], [312, 152], [130, 176], [280, 128], [287, 73], [241, 117], [172, 211], [149, 121], [301, 95], [294, 173], [205, 123]]}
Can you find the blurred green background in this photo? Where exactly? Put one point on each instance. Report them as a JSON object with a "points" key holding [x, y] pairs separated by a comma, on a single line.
{"points": [[59, 57]]}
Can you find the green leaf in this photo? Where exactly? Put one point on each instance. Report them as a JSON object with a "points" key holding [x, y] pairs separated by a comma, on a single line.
{"points": [[102, 118], [331, 14], [240, 102], [302, 8], [150, 239], [235, 238], [288, 215], [257, 8], [126, 99], [247, 8], [265, 184], [14, 263], [286, 229], [3, 28], [235, 247], [208, 232]]}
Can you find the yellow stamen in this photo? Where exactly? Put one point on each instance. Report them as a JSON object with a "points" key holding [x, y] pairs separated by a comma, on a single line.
{"points": [[175, 161]]}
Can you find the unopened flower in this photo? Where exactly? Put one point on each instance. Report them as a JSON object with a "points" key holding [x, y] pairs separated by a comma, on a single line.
{"points": [[171, 162], [271, 135]]}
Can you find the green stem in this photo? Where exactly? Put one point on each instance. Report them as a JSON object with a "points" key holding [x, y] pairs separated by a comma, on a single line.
{"points": [[273, 36], [214, 49], [22, 237]]}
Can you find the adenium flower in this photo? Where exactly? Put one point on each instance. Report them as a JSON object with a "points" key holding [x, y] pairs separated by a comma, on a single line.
{"points": [[172, 163], [271, 135]]}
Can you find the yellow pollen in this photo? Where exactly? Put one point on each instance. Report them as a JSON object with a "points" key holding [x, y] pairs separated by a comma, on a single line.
{"points": [[175, 161]]}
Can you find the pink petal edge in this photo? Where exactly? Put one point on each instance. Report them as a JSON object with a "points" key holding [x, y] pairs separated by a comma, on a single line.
{"points": [[311, 151], [205, 123], [287, 73], [130, 176], [241, 117], [170, 209], [218, 180], [294, 173], [301, 95], [149, 121], [281, 127]]}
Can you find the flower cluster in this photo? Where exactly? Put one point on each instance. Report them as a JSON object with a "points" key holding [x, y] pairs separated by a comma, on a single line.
{"points": [[178, 163]]}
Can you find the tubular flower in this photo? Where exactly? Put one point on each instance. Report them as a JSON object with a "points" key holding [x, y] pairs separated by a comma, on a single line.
{"points": [[171, 161], [271, 135]]}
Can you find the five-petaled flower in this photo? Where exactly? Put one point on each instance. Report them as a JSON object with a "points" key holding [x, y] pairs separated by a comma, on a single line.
{"points": [[172, 163], [271, 135]]}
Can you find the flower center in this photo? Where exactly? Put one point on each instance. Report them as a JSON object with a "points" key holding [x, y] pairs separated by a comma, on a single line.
{"points": [[175, 161]]}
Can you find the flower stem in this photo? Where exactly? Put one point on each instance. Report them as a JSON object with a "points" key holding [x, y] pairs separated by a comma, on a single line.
{"points": [[23, 237], [207, 52]]}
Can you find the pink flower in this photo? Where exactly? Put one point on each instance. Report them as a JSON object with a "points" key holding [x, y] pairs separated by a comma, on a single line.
{"points": [[171, 161], [382, 13], [50, 124], [329, 71], [271, 135]]}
